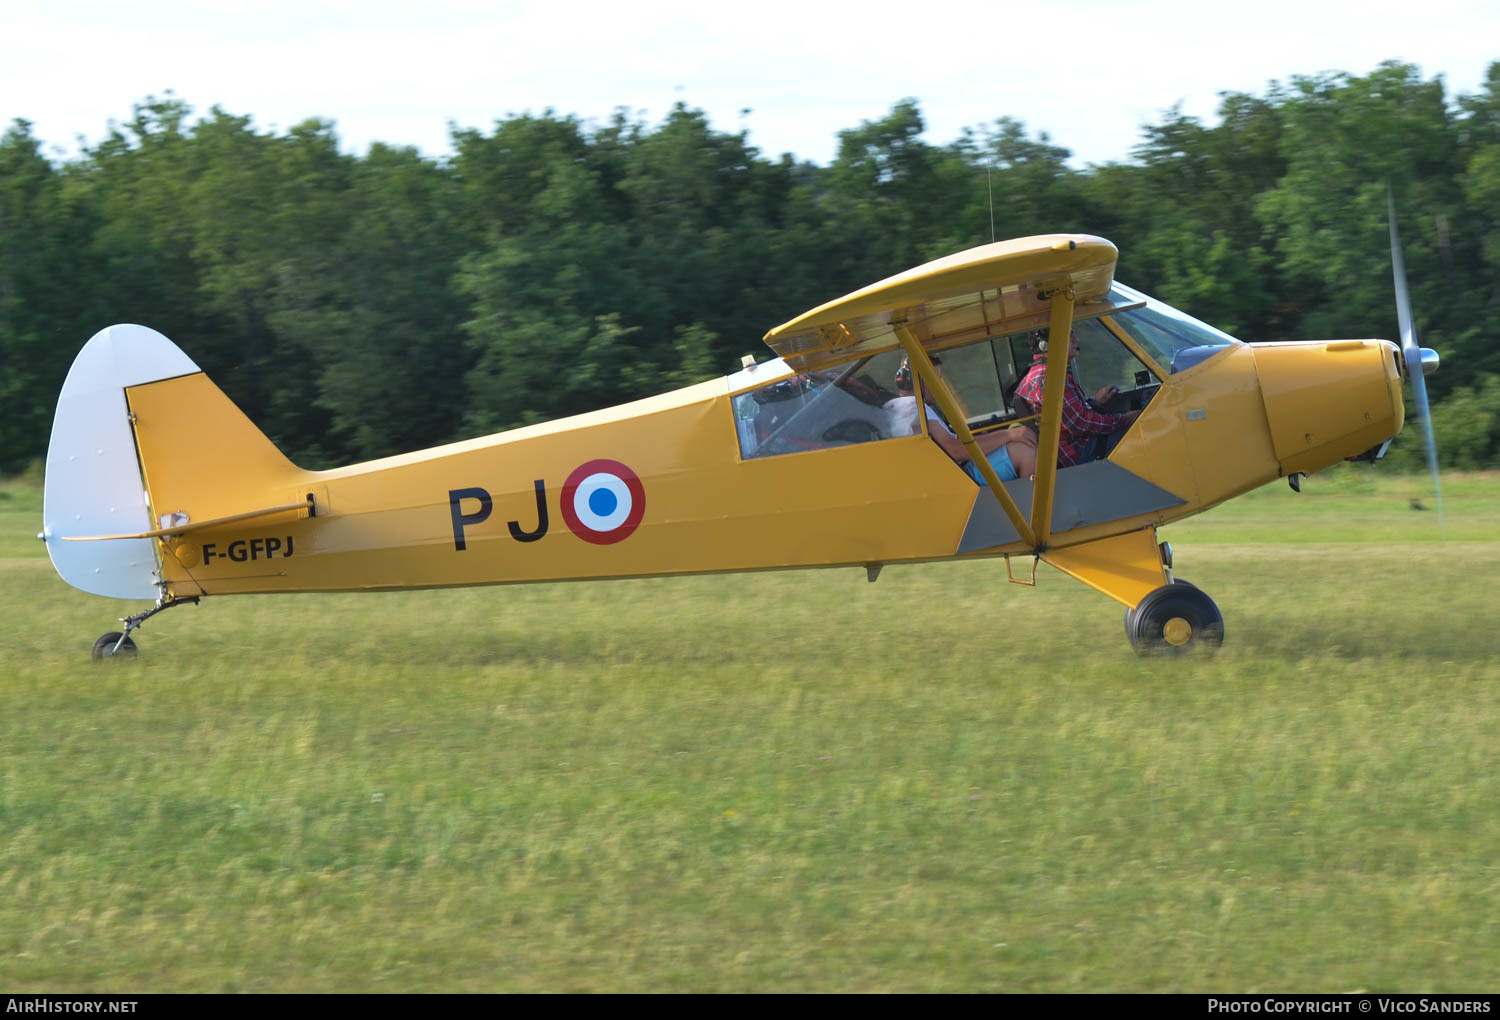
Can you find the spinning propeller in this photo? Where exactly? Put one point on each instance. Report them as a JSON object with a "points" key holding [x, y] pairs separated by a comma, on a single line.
{"points": [[1420, 361]]}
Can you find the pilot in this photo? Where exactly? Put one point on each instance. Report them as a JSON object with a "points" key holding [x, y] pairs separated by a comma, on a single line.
{"points": [[1011, 452], [1088, 433]]}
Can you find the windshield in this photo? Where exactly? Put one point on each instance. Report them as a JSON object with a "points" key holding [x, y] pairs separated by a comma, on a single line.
{"points": [[1172, 337]]}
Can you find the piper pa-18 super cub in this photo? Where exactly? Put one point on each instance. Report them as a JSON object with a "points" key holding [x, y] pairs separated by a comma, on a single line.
{"points": [[158, 487]]}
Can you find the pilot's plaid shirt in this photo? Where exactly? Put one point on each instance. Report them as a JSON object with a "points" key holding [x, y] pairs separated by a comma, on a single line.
{"points": [[1080, 421]]}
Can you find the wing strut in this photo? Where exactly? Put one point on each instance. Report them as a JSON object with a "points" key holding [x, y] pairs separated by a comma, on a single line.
{"points": [[949, 406], [1061, 328]]}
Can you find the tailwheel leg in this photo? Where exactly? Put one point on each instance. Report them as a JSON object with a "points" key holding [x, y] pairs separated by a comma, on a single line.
{"points": [[118, 644], [1175, 619]]}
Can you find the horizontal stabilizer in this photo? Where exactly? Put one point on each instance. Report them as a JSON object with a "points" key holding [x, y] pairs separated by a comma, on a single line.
{"points": [[182, 528]]}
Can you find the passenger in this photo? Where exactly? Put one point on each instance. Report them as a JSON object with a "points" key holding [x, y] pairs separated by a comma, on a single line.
{"points": [[1087, 432], [1011, 452]]}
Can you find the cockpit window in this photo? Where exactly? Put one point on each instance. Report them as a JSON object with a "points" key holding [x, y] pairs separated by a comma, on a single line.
{"points": [[818, 410], [1172, 337], [857, 402]]}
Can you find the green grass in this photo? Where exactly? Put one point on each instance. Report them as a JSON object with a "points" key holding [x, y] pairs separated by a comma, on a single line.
{"points": [[794, 781]]}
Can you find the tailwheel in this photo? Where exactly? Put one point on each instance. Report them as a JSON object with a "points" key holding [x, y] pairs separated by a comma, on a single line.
{"points": [[114, 645], [118, 645], [1175, 619]]}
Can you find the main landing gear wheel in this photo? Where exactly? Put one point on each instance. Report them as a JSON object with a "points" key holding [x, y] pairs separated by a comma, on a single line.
{"points": [[111, 646], [1175, 619], [1130, 614]]}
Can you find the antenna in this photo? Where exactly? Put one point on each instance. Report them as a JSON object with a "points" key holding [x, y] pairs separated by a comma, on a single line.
{"points": [[990, 185]]}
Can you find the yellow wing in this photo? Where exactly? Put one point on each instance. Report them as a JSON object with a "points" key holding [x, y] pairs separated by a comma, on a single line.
{"points": [[989, 290]]}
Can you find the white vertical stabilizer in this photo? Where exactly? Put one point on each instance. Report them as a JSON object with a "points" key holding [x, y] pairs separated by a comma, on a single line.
{"points": [[93, 483]]}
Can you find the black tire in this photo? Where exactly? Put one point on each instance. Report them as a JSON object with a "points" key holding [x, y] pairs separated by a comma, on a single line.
{"points": [[1130, 614], [1175, 619], [105, 648]]}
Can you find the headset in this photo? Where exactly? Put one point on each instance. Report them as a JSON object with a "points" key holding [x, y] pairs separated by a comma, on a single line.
{"points": [[903, 374]]}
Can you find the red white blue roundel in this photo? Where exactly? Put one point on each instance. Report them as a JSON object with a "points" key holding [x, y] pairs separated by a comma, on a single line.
{"points": [[603, 502]]}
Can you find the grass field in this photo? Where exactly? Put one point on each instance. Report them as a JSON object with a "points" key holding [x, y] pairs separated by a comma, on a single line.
{"points": [[793, 781]]}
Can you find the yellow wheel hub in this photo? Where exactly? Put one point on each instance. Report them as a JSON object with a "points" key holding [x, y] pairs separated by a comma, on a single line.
{"points": [[1177, 632]]}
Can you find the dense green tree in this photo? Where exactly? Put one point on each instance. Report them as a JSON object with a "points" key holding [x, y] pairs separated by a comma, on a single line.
{"points": [[1035, 192], [134, 186], [1346, 138], [44, 309], [879, 198], [1479, 133], [553, 266], [1208, 255], [390, 349]]}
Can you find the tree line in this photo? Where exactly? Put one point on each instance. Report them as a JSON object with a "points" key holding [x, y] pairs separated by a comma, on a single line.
{"points": [[359, 306]]}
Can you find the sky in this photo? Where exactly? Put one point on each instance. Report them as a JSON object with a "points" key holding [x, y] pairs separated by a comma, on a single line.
{"points": [[1088, 73]]}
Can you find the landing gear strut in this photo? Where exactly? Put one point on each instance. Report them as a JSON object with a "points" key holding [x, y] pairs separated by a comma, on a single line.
{"points": [[117, 644], [1175, 619]]}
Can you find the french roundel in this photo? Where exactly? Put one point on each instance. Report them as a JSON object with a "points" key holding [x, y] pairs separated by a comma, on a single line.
{"points": [[603, 502]]}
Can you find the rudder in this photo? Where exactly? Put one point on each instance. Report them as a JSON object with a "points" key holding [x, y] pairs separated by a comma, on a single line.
{"points": [[93, 482], [143, 439]]}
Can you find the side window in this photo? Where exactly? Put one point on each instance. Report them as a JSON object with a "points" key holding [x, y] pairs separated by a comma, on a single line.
{"points": [[982, 376], [819, 410], [1104, 361]]}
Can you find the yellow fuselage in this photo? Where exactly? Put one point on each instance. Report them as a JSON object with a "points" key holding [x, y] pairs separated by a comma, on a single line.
{"points": [[491, 510]]}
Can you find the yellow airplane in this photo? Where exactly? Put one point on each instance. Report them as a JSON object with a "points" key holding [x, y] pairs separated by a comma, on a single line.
{"points": [[158, 487]]}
